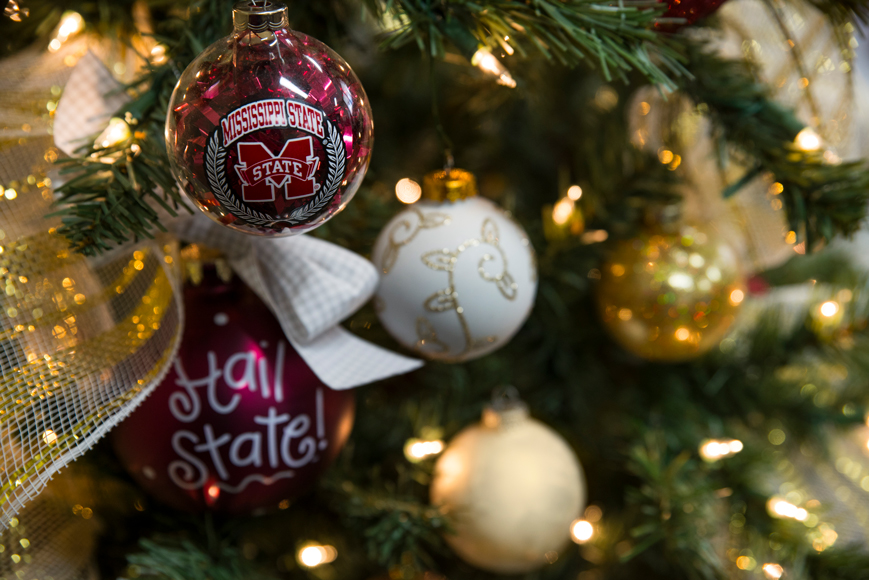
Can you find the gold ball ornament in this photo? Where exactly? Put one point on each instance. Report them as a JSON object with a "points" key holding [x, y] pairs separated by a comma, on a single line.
{"points": [[511, 486], [671, 293]]}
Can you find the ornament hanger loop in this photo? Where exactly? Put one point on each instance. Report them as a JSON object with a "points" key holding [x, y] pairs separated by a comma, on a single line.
{"points": [[506, 397], [259, 15]]}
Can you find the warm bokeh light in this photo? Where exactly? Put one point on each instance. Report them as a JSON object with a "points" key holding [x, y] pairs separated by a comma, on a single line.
{"points": [[823, 537], [746, 563], [117, 132], [665, 155], [829, 308], [773, 571], [562, 211], [594, 236], [49, 437], [486, 62], [407, 190], [593, 513], [313, 555], [415, 450], [785, 509], [808, 140], [581, 531], [71, 23], [158, 54], [574, 192], [715, 449], [737, 296], [213, 491], [682, 334]]}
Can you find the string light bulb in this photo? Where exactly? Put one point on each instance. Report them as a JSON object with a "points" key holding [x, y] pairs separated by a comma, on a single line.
{"points": [[158, 54], [116, 133], [581, 531], [407, 191], [312, 555], [829, 308], [562, 211], [574, 192], [49, 437], [773, 571], [487, 62], [416, 450], [784, 509], [808, 140], [70, 24], [715, 449]]}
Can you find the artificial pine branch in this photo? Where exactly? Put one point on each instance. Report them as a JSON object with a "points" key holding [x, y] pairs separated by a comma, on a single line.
{"points": [[618, 38], [111, 197], [182, 560], [399, 532]]}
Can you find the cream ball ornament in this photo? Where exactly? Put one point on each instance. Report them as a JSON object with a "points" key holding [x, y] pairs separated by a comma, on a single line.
{"points": [[458, 275], [512, 487]]}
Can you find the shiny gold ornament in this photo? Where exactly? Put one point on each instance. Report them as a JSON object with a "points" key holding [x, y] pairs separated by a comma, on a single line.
{"points": [[670, 293]]}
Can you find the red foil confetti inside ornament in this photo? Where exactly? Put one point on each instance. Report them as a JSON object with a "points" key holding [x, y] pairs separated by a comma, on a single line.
{"points": [[241, 423], [269, 131]]}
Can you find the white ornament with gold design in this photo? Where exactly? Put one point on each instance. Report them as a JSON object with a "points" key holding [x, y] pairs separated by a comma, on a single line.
{"points": [[457, 275], [512, 488]]}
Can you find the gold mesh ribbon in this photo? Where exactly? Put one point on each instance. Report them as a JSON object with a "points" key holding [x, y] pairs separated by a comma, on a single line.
{"points": [[82, 341]]}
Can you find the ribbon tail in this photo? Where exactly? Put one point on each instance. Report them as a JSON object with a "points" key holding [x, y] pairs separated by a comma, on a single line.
{"points": [[360, 361]]}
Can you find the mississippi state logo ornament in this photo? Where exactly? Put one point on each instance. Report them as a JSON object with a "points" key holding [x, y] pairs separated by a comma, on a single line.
{"points": [[268, 130]]}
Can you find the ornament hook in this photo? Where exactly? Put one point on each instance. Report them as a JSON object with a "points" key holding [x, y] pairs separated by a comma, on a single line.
{"points": [[507, 408]]}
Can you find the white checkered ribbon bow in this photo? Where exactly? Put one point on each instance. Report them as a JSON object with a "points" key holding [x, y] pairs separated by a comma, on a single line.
{"points": [[309, 284]]}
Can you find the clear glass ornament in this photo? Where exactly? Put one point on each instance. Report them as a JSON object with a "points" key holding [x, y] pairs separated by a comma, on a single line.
{"points": [[268, 130]]}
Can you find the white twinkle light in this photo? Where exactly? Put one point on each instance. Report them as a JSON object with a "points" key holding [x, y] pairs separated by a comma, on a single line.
{"points": [[581, 531], [487, 62], [117, 132], [786, 509], [407, 191], [808, 140], [829, 308], [415, 450], [715, 449], [313, 555], [562, 211], [70, 24]]}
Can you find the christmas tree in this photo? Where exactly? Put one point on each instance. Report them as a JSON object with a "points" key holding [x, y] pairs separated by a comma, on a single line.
{"points": [[585, 279]]}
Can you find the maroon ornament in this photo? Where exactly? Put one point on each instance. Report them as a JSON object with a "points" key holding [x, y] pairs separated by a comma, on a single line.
{"points": [[241, 422], [268, 130], [690, 10]]}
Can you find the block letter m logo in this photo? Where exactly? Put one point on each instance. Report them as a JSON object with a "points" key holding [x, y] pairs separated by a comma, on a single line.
{"points": [[290, 172]]}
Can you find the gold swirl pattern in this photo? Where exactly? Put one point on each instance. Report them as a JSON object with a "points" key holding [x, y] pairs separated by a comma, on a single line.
{"points": [[407, 229], [447, 299]]}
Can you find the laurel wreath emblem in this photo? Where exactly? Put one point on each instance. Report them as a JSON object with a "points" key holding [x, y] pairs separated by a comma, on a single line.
{"points": [[215, 170]]}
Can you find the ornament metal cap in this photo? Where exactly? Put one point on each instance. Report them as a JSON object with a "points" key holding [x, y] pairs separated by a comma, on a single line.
{"points": [[259, 15], [506, 409], [449, 185]]}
